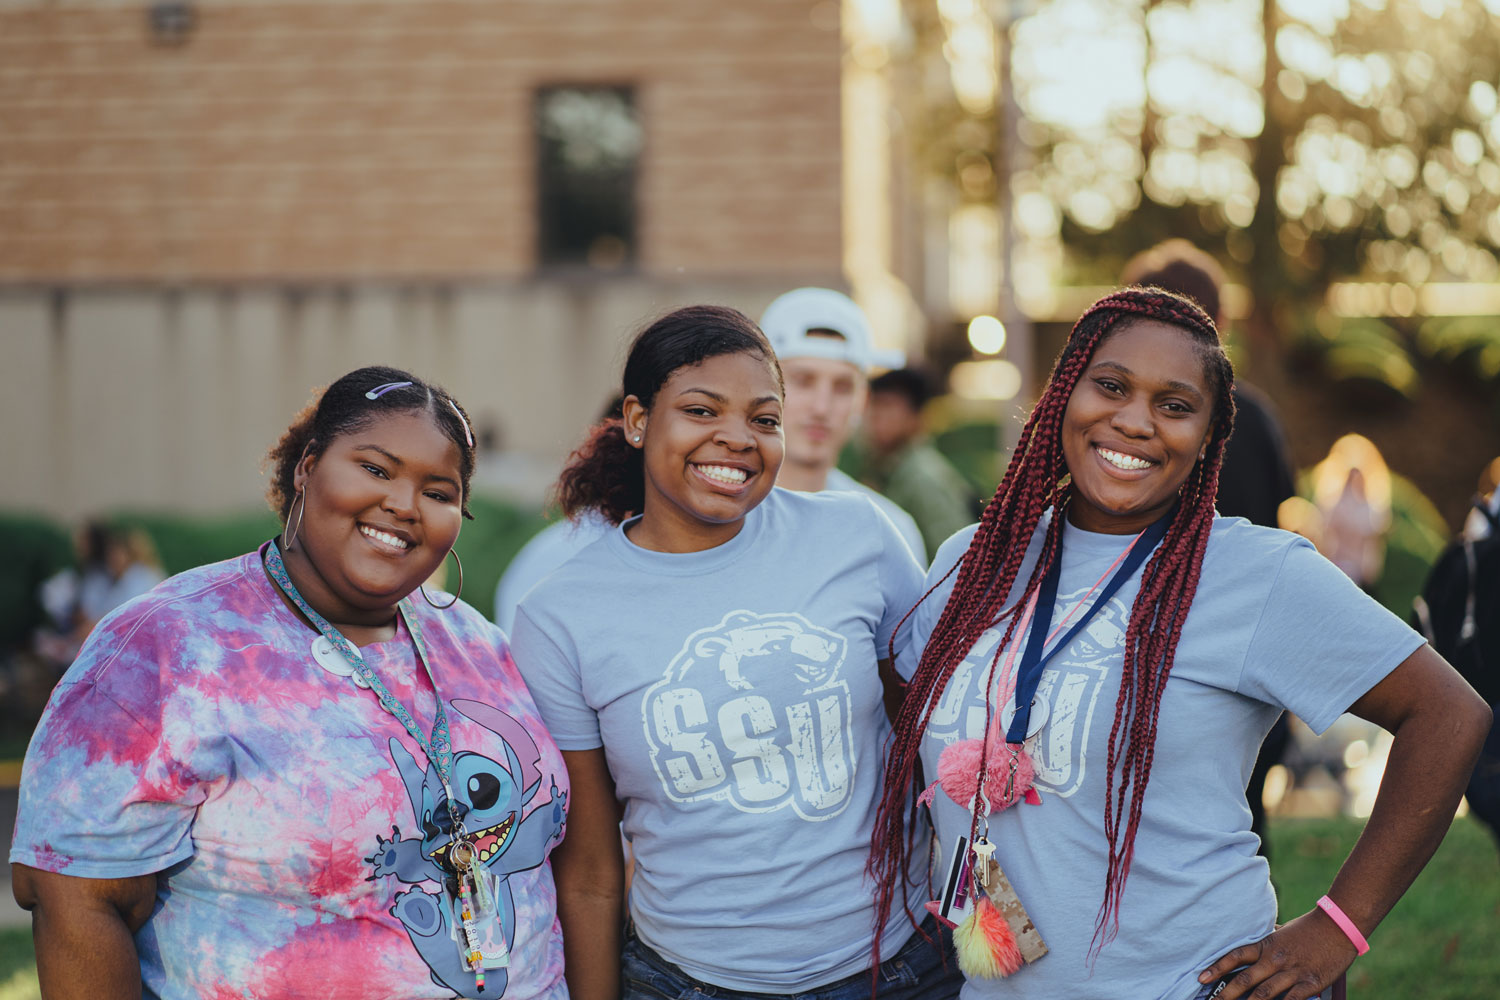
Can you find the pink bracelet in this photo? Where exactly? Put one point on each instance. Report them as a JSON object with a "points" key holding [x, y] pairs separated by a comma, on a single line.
{"points": [[1346, 925]]}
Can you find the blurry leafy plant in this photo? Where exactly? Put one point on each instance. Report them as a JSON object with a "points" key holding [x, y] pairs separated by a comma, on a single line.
{"points": [[1367, 349], [1471, 341], [1306, 142]]}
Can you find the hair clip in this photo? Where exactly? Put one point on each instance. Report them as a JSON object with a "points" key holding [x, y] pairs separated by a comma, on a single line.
{"points": [[467, 436], [381, 390]]}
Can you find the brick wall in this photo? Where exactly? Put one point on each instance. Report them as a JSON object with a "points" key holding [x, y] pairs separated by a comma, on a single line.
{"points": [[381, 141]]}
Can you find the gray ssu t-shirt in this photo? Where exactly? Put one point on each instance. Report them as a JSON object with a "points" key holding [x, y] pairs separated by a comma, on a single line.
{"points": [[736, 695], [1273, 625]]}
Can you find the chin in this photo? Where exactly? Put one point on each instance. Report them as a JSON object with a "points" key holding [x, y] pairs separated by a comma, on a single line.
{"points": [[381, 592]]}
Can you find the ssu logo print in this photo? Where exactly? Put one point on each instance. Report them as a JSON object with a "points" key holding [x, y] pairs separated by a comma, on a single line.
{"points": [[1069, 693], [752, 711]]}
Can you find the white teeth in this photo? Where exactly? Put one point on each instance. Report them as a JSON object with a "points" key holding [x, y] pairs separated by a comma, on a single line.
{"points": [[724, 474], [1119, 461], [381, 536]]}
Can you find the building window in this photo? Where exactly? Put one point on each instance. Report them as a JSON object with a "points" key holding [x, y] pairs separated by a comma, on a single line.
{"points": [[589, 145]]}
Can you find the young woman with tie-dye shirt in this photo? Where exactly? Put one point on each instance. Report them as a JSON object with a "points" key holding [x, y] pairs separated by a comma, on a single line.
{"points": [[250, 782]]}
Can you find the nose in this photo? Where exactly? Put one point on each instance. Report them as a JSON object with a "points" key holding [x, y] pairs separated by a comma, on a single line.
{"points": [[735, 435], [1134, 417], [820, 400], [401, 500]]}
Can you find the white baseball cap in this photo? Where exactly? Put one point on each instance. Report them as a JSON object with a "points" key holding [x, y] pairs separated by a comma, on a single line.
{"points": [[786, 323]]}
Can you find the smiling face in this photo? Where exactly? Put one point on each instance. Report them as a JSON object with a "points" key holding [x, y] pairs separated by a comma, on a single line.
{"points": [[712, 445], [383, 507], [1135, 425]]}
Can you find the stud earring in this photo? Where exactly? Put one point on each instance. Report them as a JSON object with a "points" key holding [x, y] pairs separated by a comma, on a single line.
{"points": [[636, 439]]}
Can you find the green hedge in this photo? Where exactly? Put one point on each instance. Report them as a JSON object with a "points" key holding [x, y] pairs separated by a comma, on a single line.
{"points": [[36, 548]]}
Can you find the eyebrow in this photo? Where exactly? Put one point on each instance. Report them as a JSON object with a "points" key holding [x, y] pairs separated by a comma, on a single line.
{"points": [[1184, 387], [723, 400], [397, 461]]}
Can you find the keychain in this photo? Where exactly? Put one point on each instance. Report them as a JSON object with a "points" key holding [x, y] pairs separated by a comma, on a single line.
{"points": [[983, 851], [997, 937], [465, 866]]}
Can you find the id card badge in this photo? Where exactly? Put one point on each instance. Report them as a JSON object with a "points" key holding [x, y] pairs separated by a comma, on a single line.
{"points": [[489, 931], [958, 886]]}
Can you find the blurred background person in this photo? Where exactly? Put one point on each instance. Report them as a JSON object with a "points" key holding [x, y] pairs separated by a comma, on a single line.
{"points": [[827, 350], [900, 462], [63, 594], [1480, 522], [114, 564], [1459, 612], [1352, 489]]}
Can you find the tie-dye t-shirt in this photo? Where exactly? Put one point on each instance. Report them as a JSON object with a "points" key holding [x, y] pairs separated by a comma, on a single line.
{"points": [[206, 733]]}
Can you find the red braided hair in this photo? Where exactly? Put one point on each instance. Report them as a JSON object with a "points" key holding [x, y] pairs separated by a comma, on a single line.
{"points": [[1035, 481]]}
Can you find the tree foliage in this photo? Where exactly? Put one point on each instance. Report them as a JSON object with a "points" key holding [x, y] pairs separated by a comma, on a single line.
{"points": [[1303, 141]]}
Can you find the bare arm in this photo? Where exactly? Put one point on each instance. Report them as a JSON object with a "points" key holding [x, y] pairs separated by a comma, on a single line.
{"points": [[1439, 725], [589, 867], [84, 931], [892, 687]]}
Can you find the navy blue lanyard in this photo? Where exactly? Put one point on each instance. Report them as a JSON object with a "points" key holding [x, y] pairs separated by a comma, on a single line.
{"points": [[1029, 676]]}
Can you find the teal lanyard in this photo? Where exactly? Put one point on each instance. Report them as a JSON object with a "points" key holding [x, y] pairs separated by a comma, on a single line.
{"points": [[439, 749]]}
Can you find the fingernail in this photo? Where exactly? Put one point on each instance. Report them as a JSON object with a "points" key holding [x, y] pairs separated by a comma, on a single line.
{"points": [[1204, 977]]}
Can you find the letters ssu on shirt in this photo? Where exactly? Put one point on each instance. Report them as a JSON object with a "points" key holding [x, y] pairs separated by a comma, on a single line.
{"points": [[753, 711], [1067, 698]]}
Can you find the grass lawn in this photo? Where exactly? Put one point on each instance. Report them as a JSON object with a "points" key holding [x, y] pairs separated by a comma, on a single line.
{"points": [[17, 965], [1441, 942]]}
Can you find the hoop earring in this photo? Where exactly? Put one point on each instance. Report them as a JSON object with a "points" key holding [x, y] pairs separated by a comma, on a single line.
{"points": [[301, 495], [460, 590]]}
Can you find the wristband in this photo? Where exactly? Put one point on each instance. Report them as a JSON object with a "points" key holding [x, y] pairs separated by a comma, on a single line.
{"points": [[1346, 925]]}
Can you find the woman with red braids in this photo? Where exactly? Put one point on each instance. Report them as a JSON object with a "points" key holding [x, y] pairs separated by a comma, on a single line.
{"points": [[1093, 670]]}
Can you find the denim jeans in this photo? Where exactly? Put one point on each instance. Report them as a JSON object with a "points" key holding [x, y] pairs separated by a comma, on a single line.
{"points": [[916, 972]]}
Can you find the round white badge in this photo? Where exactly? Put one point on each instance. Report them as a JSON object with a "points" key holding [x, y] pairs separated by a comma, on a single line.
{"points": [[1038, 719], [333, 661]]}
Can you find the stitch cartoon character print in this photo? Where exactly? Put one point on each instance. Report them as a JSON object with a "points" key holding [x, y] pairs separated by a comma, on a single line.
{"points": [[496, 802], [753, 711]]}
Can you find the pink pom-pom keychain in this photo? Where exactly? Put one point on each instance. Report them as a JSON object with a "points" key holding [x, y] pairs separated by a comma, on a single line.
{"points": [[1010, 774]]}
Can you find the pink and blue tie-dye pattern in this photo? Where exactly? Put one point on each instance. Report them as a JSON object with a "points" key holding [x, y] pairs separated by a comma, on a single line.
{"points": [[201, 735]]}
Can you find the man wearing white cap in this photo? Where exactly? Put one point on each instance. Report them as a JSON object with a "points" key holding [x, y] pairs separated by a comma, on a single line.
{"points": [[826, 350]]}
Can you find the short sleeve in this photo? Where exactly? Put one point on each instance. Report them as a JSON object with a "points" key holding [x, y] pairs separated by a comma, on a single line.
{"points": [[900, 578], [102, 793], [906, 526], [556, 684], [918, 628], [1321, 643]]}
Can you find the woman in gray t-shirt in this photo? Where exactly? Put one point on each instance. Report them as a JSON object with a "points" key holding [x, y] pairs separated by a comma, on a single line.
{"points": [[713, 669], [1102, 629]]}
